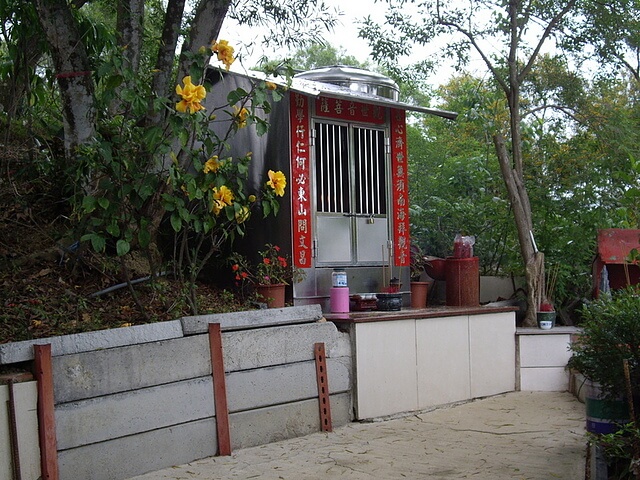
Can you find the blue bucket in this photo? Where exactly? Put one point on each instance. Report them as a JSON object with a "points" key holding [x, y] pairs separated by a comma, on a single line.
{"points": [[604, 415]]}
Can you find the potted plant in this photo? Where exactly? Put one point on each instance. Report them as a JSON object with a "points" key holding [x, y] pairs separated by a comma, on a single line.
{"points": [[607, 353], [546, 315], [610, 335], [419, 289], [269, 276]]}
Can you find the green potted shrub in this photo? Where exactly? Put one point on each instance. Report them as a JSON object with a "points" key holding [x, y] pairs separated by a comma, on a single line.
{"points": [[607, 353], [610, 335]]}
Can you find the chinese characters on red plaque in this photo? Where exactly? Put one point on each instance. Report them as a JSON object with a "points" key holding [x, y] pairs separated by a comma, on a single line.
{"points": [[399, 186], [300, 180], [349, 110]]}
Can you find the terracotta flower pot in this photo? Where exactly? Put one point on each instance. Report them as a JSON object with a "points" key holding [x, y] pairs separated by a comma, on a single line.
{"points": [[272, 295], [419, 292]]}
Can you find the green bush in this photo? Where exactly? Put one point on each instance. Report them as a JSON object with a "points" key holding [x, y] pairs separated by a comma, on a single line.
{"points": [[611, 334]]}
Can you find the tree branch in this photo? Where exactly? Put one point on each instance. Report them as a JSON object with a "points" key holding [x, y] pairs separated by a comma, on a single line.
{"points": [[543, 38]]}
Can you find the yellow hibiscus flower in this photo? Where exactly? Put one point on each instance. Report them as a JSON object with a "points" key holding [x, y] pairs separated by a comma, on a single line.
{"points": [[277, 181], [212, 165], [271, 85], [223, 194], [241, 115], [191, 95], [224, 51], [217, 207]]}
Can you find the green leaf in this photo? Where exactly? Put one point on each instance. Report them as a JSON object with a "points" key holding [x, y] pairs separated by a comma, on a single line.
{"points": [[184, 137], [114, 82], [145, 191], [231, 214], [259, 97], [122, 247], [236, 95], [89, 204], [261, 127], [113, 229], [144, 238], [266, 208], [184, 214], [276, 95], [98, 242], [176, 222], [104, 202]]}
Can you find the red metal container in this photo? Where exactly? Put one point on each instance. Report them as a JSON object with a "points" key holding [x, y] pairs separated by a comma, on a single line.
{"points": [[462, 277]]}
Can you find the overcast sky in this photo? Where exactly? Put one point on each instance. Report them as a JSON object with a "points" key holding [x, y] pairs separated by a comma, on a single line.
{"points": [[345, 35]]}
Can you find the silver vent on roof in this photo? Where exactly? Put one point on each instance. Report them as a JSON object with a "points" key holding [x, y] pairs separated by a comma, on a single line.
{"points": [[355, 79]]}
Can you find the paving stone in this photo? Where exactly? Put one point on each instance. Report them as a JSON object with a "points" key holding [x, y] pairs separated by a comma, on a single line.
{"points": [[518, 435]]}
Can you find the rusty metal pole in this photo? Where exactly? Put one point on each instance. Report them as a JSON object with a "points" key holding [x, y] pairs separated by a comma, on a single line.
{"points": [[13, 433], [323, 388], [219, 390], [46, 412]]}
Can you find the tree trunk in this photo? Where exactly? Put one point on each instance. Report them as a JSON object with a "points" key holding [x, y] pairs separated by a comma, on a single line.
{"points": [[72, 72], [129, 30], [205, 28], [532, 259], [166, 53]]}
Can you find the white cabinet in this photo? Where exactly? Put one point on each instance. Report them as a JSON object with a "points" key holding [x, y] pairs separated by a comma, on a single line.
{"points": [[413, 364], [543, 357]]}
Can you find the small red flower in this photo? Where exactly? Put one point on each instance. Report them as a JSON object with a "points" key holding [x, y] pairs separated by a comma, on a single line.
{"points": [[235, 267], [266, 261]]}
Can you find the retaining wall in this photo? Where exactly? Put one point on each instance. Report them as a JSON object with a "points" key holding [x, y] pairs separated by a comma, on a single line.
{"points": [[130, 401]]}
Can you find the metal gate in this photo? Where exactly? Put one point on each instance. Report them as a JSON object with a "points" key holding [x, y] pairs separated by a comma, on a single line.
{"points": [[351, 190]]}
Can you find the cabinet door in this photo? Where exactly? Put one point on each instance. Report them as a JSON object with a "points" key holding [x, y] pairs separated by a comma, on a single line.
{"points": [[443, 360], [385, 368], [492, 353]]}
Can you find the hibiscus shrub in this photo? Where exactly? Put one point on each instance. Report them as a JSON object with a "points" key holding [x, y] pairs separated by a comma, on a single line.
{"points": [[143, 176]]}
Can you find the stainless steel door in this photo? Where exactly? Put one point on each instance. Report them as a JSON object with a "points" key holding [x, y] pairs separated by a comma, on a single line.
{"points": [[351, 186]]}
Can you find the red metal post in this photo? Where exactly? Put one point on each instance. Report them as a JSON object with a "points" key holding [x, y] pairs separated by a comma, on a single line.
{"points": [[219, 390], [46, 415], [323, 388]]}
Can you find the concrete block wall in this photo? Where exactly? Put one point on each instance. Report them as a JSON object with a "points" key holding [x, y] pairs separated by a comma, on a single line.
{"points": [[131, 408]]}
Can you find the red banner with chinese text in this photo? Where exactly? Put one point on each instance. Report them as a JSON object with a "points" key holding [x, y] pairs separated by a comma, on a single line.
{"points": [[400, 188], [300, 180]]}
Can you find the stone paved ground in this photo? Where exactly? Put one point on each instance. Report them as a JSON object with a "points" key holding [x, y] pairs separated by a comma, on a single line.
{"points": [[516, 436]]}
